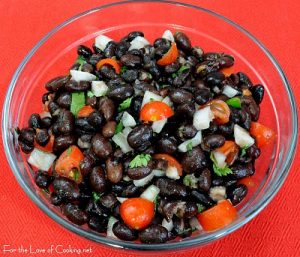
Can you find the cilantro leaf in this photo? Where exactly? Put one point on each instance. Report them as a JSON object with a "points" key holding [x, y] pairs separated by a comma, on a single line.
{"points": [[96, 196], [77, 102], [119, 127], [201, 207], [221, 171], [90, 94], [244, 151], [189, 146], [123, 69], [182, 69], [234, 102], [190, 180], [80, 60], [141, 160], [46, 190], [125, 104]]}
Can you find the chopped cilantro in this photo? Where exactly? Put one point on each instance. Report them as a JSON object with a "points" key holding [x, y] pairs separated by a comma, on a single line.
{"points": [[234, 102], [125, 104], [119, 127], [221, 171], [189, 146], [90, 94], [182, 69], [75, 174], [123, 69], [69, 151], [80, 60], [201, 208], [190, 180], [96, 196], [243, 151], [78, 101], [140, 160], [174, 75]]}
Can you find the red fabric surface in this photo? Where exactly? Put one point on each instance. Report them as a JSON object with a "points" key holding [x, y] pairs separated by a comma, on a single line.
{"points": [[274, 232]]}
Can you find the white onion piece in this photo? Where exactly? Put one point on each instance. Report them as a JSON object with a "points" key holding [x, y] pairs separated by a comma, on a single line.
{"points": [[99, 88], [167, 100], [144, 181], [242, 137], [167, 224], [150, 193], [82, 144], [45, 115], [158, 125], [121, 199], [218, 193], [168, 35], [126, 131], [194, 223], [126, 178], [172, 172], [111, 221], [102, 41], [138, 43], [128, 120], [78, 75], [196, 140], [41, 160], [219, 158], [202, 118], [121, 140], [230, 91], [216, 90], [149, 96], [159, 173]]}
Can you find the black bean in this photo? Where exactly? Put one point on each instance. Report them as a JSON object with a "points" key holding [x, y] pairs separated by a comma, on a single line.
{"points": [[108, 129], [65, 122], [53, 108], [138, 172], [182, 41], [84, 51], [74, 86], [214, 79], [214, 141], [61, 143], [86, 67], [96, 49], [108, 201], [86, 165], [64, 100], [43, 179], [244, 80], [121, 49], [110, 49], [130, 75], [226, 61], [74, 214], [204, 181], [161, 42], [46, 97], [182, 227], [96, 119], [180, 96], [124, 232], [92, 101], [194, 160], [35, 121], [56, 199], [27, 136], [57, 83], [155, 71], [171, 188], [160, 164], [226, 129], [98, 223], [202, 96], [140, 137], [144, 86], [199, 84], [131, 61], [242, 170], [121, 93], [125, 189], [107, 72], [197, 52], [100, 210], [46, 122], [94, 59], [107, 108], [25, 147], [253, 152], [186, 131], [202, 198], [167, 145], [42, 137], [114, 170], [161, 51], [258, 93], [133, 34], [101, 146], [97, 179], [155, 234], [252, 107], [66, 189], [185, 110], [206, 67], [172, 68], [236, 193]]}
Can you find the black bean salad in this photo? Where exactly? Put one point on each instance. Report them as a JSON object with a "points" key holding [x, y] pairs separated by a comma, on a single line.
{"points": [[146, 141]]}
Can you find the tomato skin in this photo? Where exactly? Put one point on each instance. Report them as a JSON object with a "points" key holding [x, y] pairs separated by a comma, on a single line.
{"points": [[227, 71], [218, 216], [155, 110], [171, 161], [85, 111], [70, 159], [230, 150], [111, 62], [247, 181], [263, 135], [170, 56], [220, 110], [48, 147], [137, 213]]}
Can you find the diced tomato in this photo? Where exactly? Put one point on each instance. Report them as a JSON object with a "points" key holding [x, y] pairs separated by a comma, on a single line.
{"points": [[227, 71], [85, 111], [48, 147], [137, 213], [155, 110], [230, 150], [171, 161], [68, 163], [218, 216], [111, 62], [263, 135], [247, 181], [170, 56], [220, 110]]}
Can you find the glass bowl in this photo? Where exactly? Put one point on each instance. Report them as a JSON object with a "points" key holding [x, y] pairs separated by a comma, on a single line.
{"points": [[55, 53]]}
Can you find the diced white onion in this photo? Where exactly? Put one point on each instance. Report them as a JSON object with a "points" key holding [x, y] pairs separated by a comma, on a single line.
{"points": [[121, 199], [167, 100], [159, 173], [218, 193], [126, 131], [172, 172], [158, 125], [150, 193], [144, 181], [126, 178], [167, 224], [102, 41], [128, 120], [242, 137], [149, 96], [82, 144], [78, 75], [121, 140], [45, 115], [216, 90], [196, 140], [219, 158], [230, 91], [168, 35], [194, 223], [41, 160], [202, 118], [111, 221], [99, 88], [138, 43]]}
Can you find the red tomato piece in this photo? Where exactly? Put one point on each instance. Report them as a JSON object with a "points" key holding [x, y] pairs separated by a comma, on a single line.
{"points": [[220, 110], [48, 147], [111, 62], [155, 110], [85, 111], [171, 161], [230, 150], [247, 181], [227, 71], [263, 135], [170, 56]]}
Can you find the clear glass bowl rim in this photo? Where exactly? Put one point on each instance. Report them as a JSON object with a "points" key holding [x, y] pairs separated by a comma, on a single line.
{"points": [[197, 241]]}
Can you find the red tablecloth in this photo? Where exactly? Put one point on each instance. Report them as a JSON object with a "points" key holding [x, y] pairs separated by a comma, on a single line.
{"points": [[274, 232]]}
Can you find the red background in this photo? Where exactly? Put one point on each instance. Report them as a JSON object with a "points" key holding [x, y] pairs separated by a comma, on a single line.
{"points": [[274, 232]]}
